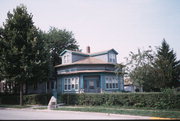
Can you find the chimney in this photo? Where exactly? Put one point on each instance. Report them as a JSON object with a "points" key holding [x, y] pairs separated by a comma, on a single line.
{"points": [[88, 49]]}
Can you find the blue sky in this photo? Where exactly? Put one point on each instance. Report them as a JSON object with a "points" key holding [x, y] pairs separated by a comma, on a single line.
{"points": [[124, 25]]}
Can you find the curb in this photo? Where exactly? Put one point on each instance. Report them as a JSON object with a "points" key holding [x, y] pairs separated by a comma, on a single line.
{"points": [[160, 118]]}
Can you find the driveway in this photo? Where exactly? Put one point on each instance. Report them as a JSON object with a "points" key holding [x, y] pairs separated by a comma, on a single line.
{"points": [[32, 114]]}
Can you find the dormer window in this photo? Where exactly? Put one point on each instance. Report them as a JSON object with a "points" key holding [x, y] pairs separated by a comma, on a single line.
{"points": [[112, 57], [67, 58]]}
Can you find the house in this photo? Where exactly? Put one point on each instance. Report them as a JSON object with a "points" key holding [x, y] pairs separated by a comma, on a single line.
{"points": [[88, 72], [128, 85]]}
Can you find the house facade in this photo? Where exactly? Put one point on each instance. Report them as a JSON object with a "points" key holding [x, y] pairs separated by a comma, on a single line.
{"points": [[88, 72]]}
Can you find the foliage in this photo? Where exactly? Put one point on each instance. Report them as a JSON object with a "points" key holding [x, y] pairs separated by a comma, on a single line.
{"points": [[23, 54], [155, 100], [139, 66], [151, 71], [56, 42], [167, 67], [59, 40], [31, 99]]}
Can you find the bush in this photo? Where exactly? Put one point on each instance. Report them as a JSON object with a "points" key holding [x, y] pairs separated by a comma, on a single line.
{"points": [[33, 99], [9, 99], [157, 100]]}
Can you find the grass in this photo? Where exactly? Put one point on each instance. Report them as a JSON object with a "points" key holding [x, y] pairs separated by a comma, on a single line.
{"points": [[112, 110], [14, 106], [120, 110]]}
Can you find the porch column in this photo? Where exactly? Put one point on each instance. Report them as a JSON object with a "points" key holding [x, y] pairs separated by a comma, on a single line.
{"points": [[102, 82], [81, 83]]}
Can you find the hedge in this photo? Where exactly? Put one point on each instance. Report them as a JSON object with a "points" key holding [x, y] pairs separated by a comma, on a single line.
{"points": [[156, 100], [31, 99]]}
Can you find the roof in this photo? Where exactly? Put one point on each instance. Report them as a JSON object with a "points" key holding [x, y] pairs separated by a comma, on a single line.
{"points": [[89, 54], [88, 60], [74, 52], [87, 71]]}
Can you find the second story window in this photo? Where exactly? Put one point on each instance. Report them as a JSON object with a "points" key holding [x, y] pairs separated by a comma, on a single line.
{"points": [[67, 58], [112, 57]]}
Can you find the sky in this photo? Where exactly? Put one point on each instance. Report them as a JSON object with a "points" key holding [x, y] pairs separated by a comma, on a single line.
{"points": [[124, 25]]}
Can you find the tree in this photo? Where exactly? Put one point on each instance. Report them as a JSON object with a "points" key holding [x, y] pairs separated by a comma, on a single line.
{"points": [[139, 66], [23, 54], [167, 67], [57, 41]]}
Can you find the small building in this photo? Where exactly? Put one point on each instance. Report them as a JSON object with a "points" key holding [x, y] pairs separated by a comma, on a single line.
{"points": [[88, 72], [129, 86]]}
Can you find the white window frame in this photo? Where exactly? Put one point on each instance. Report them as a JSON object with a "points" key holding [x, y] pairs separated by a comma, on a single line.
{"points": [[112, 57], [71, 84], [111, 82], [65, 59]]}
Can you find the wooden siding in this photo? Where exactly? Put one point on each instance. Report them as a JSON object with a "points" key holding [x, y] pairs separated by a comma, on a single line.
{"points": [[70, 57], [103, 57], [77, 57], [85, 67], [60, 86]]}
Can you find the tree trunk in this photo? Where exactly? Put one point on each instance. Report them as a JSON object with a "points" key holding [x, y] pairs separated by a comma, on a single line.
{"points": [[21, 94]]}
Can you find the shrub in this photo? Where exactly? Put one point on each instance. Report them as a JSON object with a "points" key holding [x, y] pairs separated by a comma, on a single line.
{"points": [[42, 99], [33, 99], [157, 100]]}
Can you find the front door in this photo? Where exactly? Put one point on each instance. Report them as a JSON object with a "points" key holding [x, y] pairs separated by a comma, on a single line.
{"points": [[91, 84]]}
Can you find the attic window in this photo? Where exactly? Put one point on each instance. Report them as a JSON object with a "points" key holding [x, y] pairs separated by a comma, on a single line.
{"points": [[67, 59], [112, 57]]}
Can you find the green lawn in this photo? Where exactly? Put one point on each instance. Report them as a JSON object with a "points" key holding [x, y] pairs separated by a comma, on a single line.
{"points": [[113, 110], [14, 106], [121, 110]]}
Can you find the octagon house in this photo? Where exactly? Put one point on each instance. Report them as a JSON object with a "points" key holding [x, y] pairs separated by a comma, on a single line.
{"points": [[88, 72]]}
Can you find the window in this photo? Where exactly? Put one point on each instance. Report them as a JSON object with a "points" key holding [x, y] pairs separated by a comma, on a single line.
{"points": [[71, 84], [111, 82], [91, 84], [76, 83], [65, 84], [112, 57], [67, 58]]}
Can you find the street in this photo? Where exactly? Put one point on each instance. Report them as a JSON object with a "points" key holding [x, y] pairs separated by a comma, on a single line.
{"points": [[31, 114]]}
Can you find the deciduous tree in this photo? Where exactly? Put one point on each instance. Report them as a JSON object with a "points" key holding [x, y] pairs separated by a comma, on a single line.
{"points": [[23, 54]]}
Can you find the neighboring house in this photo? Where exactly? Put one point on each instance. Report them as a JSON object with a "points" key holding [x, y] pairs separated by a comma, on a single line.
{"points": [[88, 72], [129, 86], [36, 88]]}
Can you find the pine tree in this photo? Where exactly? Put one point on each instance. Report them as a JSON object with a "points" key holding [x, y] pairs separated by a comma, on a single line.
{"points": [[166, 67], [23, 54]]}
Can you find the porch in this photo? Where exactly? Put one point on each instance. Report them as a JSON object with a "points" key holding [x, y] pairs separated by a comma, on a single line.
{"points": [[91, 84]]}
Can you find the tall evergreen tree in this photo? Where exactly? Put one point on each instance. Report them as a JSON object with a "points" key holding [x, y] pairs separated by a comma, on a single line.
{"points": [[166, 67], [23, 54]]}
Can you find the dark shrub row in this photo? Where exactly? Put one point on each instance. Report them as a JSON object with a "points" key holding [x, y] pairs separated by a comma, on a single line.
{"points": [[153, 100], [33, 99]]}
